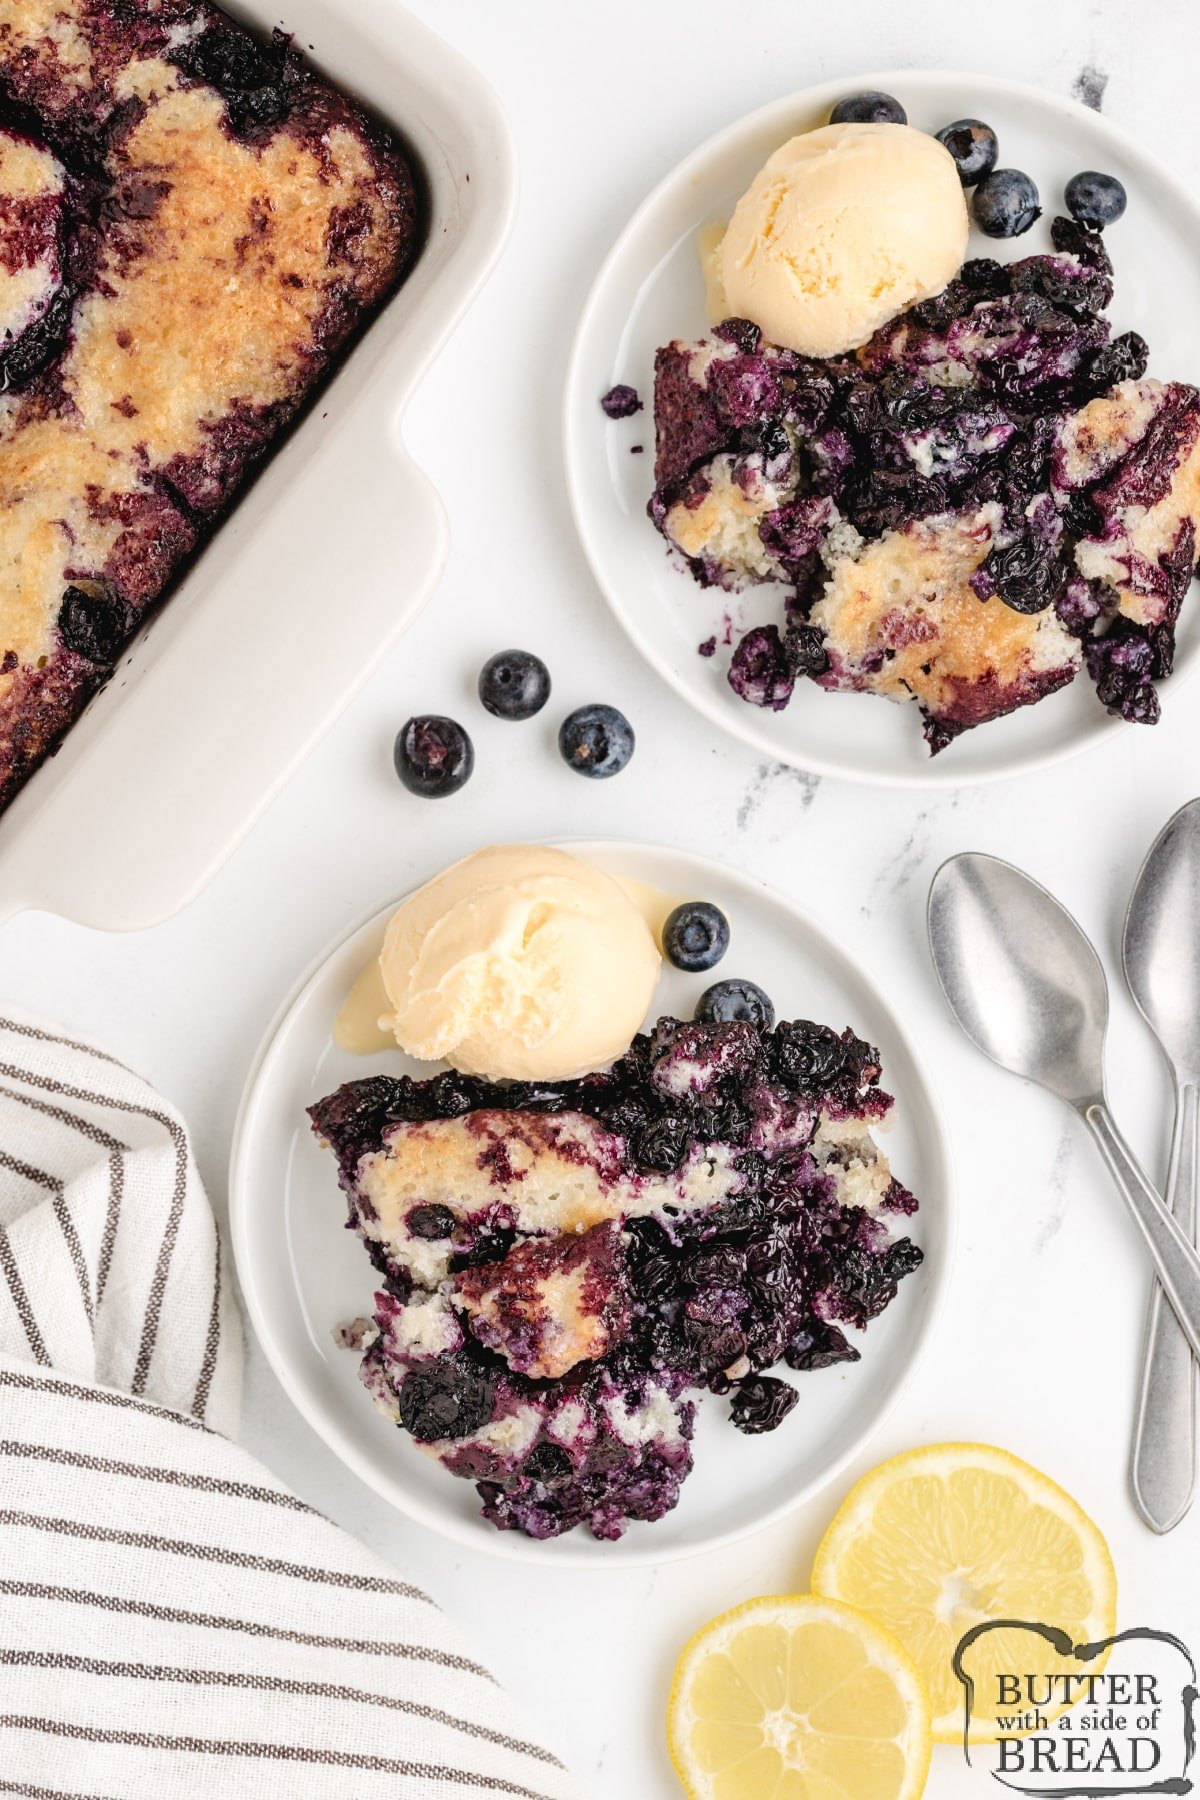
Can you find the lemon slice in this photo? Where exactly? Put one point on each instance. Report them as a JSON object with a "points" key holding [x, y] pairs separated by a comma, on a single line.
{"points": [[797, 1698], [942, 1539]]}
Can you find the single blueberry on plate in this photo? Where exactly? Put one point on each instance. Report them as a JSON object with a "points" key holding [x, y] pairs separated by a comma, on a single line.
{"points": [[1006, 203], [762, 1403], [760, 670], [695, 936], [621, 402], [872, 108], [1095, 199], [514, 684], [974, 147], [596, 741], [734, 999], [433, 756]]}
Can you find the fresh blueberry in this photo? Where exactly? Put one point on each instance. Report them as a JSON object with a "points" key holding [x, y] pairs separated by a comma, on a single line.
{"points": [[621, 402], [729, 1000], [1095, 199], [1006, 203], [868, 109], [596, 741], [696, 936], [514, 684], [974, 147], [433, 756]]}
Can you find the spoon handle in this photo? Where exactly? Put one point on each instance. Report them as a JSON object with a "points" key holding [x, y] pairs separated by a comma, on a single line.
{"points": [[1173, 1256], [1163, 1463]]}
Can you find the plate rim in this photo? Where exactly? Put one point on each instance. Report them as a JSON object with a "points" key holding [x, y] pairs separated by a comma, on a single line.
{"points": [[937, 1146], [1094, 736]]}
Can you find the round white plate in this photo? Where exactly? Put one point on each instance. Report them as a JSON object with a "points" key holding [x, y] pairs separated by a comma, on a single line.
{"points": [[302, 1272], [649, 291]]}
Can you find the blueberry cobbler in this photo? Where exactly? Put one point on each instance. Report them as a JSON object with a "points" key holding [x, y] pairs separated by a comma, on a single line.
{"points": [[192, 225], [987, 498], [564, 1267]]}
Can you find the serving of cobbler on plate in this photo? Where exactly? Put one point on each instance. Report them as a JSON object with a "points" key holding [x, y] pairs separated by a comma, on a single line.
{"points": [[900, 467], [565, 1266], [193, 225], [986, 500]]}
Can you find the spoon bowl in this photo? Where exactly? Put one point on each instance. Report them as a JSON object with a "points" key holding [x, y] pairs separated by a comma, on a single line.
{"points": [[1028, 988], [1021, 978], [1162, 942]]}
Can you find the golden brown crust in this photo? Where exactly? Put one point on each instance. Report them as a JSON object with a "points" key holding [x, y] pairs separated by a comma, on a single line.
{"points": [[902, 620], [226, 272]]}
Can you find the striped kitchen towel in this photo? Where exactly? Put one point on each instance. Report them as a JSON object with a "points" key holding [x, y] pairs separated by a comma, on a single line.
{"points": [[172, 1620]]}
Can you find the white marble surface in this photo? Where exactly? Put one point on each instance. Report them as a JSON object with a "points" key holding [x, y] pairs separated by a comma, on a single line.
{"points": [[1038, 1348]]}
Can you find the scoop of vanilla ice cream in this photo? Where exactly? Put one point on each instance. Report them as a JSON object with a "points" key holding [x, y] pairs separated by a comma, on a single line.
{"points": [[842, 229], [519, 963]]}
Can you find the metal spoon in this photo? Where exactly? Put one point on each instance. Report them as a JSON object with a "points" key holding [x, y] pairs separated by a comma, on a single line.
{"points": [[1027, 988], [1162, 967]]}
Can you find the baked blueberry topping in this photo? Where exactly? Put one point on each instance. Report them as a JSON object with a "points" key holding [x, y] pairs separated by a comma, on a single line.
{"points": [[251, 75], [514, 684], [736, 1000], [449, 1398], [596, 741], [1095, 199], [973, 146], [1026, 571], [550, 1359], [994, 438], [744, 333], [24, 358], [695, 936], [811, 1057], [1006, 203], [433, 1222], [233, 61], [1124, 359], [761, 671], [93, 625], [621, 402], [143, 386], [871, 108], [761, 1404], [818, 1345], [548, 1464], [433, 756]]}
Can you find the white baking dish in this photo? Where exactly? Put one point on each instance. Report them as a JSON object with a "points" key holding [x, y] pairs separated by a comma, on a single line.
{"points": [[319, 568]]}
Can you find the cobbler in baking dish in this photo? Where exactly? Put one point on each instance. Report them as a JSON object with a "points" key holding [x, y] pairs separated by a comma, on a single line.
{"points": [[192, 225], [566, 1266], [986, 499]]}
